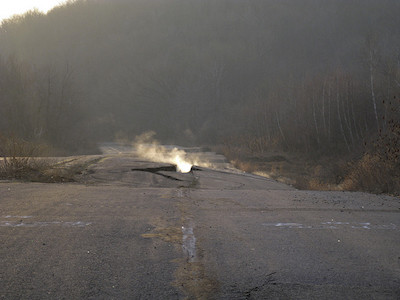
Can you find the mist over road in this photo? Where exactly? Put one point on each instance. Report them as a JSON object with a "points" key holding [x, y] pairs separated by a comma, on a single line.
{"points": [[135, 229]]}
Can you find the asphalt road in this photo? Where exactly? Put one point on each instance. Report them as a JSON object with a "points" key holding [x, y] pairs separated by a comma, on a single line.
{"points": [[132, 229]]}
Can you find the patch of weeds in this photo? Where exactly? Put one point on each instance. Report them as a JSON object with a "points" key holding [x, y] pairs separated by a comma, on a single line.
{"points": [[20, 167], [373, 174], [378, 171], [17, 160], [20, 160]]}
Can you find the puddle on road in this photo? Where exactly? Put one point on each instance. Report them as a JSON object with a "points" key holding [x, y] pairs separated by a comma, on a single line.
{"points": [[334, 225]]}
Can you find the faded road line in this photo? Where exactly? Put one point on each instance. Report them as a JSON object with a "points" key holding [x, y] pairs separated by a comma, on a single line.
{"points": [[333, 225]]}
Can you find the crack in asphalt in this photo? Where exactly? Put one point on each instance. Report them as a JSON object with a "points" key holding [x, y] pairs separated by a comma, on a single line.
{"points": [[270, 280], [157, 170], [160, 169]]}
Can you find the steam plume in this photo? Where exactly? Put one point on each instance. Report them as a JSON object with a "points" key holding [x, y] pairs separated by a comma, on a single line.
{"points": [[147, 147]]}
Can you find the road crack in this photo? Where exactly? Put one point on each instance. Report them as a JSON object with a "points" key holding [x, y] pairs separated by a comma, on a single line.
{"points": [[191, 276], [157, 171]]}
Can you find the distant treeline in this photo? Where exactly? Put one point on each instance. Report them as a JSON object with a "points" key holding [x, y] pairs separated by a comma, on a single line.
{"points": [[295, 75], [42, 104]]}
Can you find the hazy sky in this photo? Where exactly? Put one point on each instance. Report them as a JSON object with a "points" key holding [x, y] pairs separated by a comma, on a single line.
{"points": [[12, 7]]}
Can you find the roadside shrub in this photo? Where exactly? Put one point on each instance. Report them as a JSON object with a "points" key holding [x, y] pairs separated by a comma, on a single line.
{"points": [[373, 174], [18, 158]]}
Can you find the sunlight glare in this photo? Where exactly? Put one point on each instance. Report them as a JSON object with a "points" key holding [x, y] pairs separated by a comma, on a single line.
{"points": [[182, 166], [10, 8]]}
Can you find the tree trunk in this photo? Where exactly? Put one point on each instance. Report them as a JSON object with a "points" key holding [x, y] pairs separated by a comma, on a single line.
{"points": [[373, 98], [340, 118], [315, 122]]}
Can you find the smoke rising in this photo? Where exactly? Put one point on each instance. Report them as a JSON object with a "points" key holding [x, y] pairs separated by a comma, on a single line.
{"points": [[149, 148]]}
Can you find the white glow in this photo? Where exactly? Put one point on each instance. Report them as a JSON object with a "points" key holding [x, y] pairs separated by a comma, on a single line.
{"points": [[148, 148], [8, 8], [181, 165], [159, 153]]}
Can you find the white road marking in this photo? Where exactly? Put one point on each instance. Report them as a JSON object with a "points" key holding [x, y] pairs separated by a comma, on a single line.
{"points": [[189, 243], [334, 225], [17, 217], [19, 223]]}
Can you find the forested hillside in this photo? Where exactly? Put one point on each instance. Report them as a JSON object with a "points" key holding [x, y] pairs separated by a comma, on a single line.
{"points": [[311, 76]]}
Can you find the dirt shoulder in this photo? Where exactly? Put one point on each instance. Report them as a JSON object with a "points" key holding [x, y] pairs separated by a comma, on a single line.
{"points": [[366, 173], [46, 169]]}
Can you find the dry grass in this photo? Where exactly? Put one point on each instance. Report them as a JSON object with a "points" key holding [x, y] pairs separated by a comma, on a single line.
{"points": [[17, 158], [370, 173], [373, 174], [22, 160], [21, 168], [283, 167], [245, 166]]}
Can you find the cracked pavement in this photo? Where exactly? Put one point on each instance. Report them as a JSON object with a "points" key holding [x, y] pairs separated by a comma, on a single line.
{"points": [[133, 229]]}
